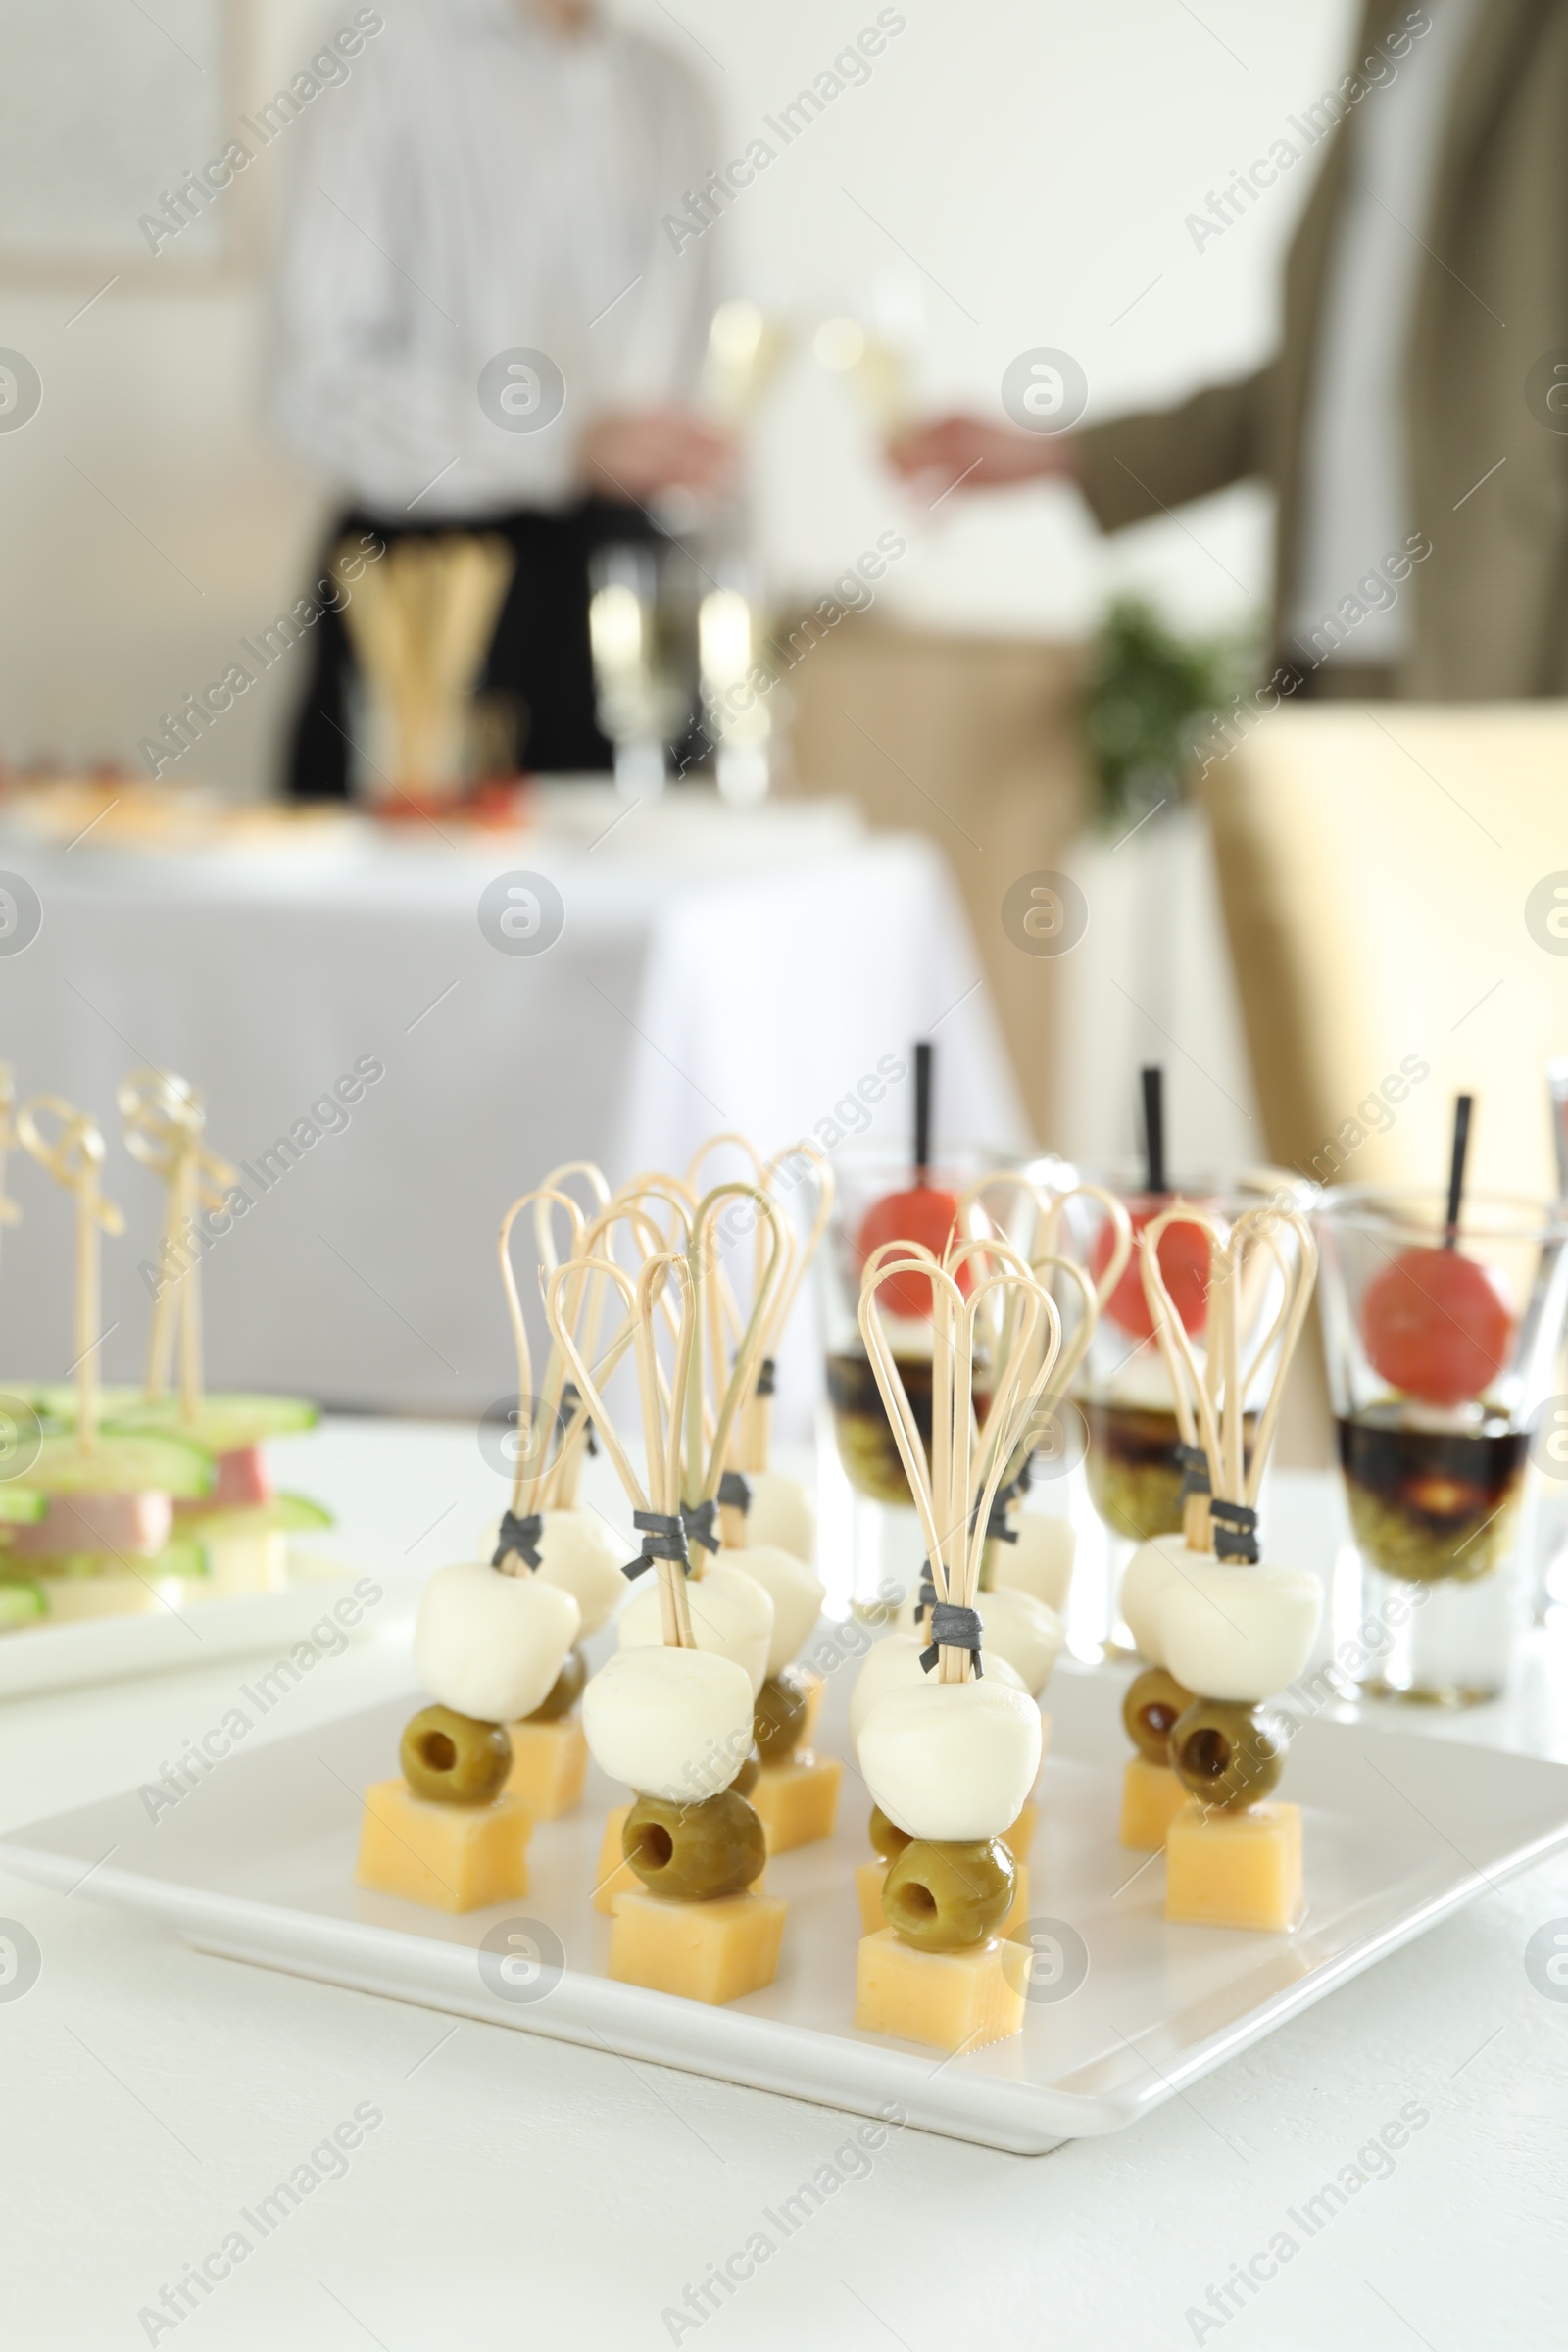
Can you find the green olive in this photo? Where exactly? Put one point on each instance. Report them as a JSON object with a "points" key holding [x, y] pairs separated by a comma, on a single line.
{"points": [[780, 1715], [1153, 1700], [1229, 1755], [745, 1780], [565, 1692], [695, 1851], [945, 1898], [455, 1759], [887, 1838]]}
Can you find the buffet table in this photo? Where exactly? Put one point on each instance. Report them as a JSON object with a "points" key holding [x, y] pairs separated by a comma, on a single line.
{"points": [[422, 1058], [513, 2188]]}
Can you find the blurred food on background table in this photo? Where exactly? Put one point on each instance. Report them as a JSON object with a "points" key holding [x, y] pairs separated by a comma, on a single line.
{"points": [[354, 1007]]}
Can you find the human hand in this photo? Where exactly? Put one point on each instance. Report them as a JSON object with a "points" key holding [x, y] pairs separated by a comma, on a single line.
{"points": [[964, 452], [635, 453]]}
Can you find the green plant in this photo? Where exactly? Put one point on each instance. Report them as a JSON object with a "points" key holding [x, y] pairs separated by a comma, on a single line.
{"points": [[1145, 691]]}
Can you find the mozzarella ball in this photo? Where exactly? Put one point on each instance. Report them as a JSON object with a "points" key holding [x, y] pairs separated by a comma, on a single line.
{"points": [[953, 1761], [1152, 1567], [731, 1615], [796, 1591], [1233, 1632], [895, 1665], [781, 1514], [1040, 1562], [670, 1723], [1023, 1633], [491, 1645], [580, 1550]]}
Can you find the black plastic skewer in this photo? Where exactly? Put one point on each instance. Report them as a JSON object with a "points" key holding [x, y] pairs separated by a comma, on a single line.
{"points": [[922, 1111], [1154, 1130], [1463, 1107]]}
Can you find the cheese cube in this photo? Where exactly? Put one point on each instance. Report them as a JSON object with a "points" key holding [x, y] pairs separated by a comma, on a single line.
{"points": [[615, 1873], [1235, 1870], [797, 1802], [948, 2000], [1022, 1837], [1151, 1793], [868, 1882], [713, 1951], [869, 1878], [548, 1764], [453, 1857]]}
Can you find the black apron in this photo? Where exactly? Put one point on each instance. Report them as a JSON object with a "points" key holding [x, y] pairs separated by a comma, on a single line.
{"points": [[539, 657]]}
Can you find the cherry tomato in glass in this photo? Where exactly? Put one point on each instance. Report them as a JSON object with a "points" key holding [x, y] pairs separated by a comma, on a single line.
{"points": [[1183, 1260], [1437, 1325], [927, 1215]]}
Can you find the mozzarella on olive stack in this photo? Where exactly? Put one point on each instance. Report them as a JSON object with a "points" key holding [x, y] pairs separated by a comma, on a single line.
{"points": [[489, 1648], [732, 1616], [950, 1764], [675, 1725]]}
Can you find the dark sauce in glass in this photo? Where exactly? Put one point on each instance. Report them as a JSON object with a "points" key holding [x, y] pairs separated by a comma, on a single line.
{"points": [[865, 1442], [1428, 1505]]}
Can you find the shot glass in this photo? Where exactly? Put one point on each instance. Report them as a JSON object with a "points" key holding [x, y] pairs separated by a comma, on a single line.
{"points": [[1442, 1352]]}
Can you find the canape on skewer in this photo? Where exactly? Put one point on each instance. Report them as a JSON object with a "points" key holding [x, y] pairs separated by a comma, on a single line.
{"points": [[672, 1715], [1228, 1630], [795, 1791], [489, 1646], [950, 1757]]}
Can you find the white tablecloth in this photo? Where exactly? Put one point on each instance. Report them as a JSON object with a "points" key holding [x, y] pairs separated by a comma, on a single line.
{"points": [[714, 971], [524, 2191]]}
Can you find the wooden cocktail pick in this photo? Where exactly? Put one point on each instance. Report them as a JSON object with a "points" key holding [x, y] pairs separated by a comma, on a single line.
{"points": [[954, 1486], [74, 1156], [165, 1124]]}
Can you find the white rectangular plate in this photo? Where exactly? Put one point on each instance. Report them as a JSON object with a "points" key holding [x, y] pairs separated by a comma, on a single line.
{"points": [[257, 1864], [196, 1630]]}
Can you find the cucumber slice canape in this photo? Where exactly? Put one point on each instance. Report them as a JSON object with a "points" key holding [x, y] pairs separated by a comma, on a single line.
{"points": [[122, 1462], [224, 1424]]}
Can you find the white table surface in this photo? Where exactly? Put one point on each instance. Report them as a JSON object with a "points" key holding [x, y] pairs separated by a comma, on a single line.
{"points": [[716, 969], [521, 2190]]}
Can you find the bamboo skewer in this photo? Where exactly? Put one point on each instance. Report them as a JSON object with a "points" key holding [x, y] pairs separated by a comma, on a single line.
{"points": [[165, 1124], [954, 1517], [659, 1400], [74, 1159]]}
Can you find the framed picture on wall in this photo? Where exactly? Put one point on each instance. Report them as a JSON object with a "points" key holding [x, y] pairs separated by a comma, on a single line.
{"points": [[152, 92]]}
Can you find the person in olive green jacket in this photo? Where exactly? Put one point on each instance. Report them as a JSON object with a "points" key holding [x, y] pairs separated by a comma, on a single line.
{"points": [[1414, 422]]}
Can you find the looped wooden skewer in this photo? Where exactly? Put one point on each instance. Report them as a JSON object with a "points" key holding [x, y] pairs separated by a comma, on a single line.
{"points": [[1218, 1391], [1188, 1379], [1121, 1226], [75, 1158], [1289, 1323], [542, 1413], [705, 1470], [584, 1309], [954, 1517], [662, 1420], [165, 1121]]}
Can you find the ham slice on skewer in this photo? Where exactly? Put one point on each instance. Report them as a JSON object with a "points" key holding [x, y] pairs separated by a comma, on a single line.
{"points": [[125, 1526]]}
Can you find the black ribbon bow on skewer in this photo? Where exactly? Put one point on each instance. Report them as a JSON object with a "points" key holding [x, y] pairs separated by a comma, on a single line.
{"points": [[1235, 1531], [735, 1491], [570, 1399], [952, 1628], [1193, 1463], [664, 1538], [697, 1518], [521, 1536]]}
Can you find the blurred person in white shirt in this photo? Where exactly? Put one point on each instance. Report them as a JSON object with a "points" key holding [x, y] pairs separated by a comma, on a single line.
{"points": [[492, 181]]}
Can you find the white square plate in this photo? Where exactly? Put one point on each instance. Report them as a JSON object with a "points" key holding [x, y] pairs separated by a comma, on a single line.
{"points": [[255, 1864]]}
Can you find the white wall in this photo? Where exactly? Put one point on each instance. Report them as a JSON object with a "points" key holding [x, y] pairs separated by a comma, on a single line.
{"points": [[1037, 160]]}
